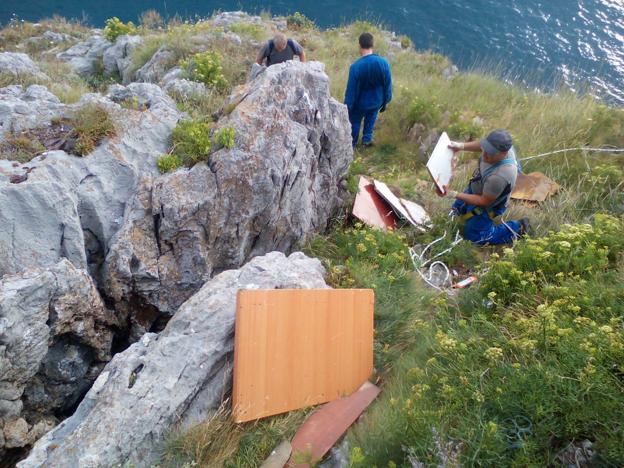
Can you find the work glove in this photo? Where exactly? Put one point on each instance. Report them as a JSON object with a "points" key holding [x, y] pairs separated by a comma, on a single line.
{"points": [[456, 146], [383, 108]]}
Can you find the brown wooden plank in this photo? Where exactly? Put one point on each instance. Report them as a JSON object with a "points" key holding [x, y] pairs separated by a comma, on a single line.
{"points": [[323, 428], [299, 347]]}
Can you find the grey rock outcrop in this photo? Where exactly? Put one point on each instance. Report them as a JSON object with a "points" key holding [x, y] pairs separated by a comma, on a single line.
{"points": [[83, 56], [22, 109], [117, 58], [70, 207], [278, 185], [172, 379], [55, 336], [18, 64], [156, 67]]}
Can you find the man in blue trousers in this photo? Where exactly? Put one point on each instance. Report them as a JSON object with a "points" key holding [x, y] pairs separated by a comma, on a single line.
{"points": [[369, 90], [488, 192]]}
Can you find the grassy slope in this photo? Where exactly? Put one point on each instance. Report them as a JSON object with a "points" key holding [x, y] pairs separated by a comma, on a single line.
{"points": [[538, 341]]}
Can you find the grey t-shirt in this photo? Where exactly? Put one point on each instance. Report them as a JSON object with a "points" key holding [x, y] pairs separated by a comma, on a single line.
{"points": [[275, 56], [498, 180]]}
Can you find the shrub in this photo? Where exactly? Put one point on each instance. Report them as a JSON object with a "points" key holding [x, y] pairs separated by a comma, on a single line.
{"points": [[406, 42], [191, 141], [424, 111], [461, 129], [91, 124], [115, 28], [151, 19], [225, 137], [299, 21], [206, 68], [168, 162]]}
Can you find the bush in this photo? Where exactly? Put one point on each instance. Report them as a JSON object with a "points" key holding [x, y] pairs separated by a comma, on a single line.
{"points": [[299, 21], [115, 28], [191, 141], [91, 125], [463, 130], [225, 137], [168, 163], [21, 148], [206, 68], [424, 111]]}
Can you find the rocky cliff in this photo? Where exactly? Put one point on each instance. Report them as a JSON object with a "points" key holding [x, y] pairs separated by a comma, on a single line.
{"points": [[101, 251]]}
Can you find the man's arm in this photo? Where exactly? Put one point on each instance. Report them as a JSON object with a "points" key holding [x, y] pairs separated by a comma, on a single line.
{"points": [[388, 83], [351, 91], [298, 50], [262, 54]]}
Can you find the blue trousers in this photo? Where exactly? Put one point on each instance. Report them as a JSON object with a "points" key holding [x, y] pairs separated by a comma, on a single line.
{"points": [[355, 117], [481, 230]]}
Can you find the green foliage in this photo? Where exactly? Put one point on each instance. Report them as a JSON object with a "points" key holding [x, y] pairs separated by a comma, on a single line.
{"points": [[425, 111], [206, 68], [406, 42], [191, 141], [462, 129], [115, 28], [254, 31], [225, 137], [299, 21], [169, 163], [91, 125]]}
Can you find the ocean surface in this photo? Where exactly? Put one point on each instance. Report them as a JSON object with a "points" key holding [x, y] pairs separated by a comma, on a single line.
{"points": [[543, 44]]}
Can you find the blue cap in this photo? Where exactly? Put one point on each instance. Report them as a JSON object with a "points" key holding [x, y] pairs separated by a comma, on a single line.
{"points": [[496, 142]]}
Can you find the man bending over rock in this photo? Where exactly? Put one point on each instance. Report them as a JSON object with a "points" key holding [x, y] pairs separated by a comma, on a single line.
{"points": [[488, 192], [279, 49], [369, 90]]}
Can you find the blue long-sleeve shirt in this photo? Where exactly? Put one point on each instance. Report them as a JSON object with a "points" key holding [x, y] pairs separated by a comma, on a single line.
{"points": [[370, 83]]}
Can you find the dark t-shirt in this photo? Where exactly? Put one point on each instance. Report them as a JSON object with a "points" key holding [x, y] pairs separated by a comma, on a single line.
{"points": [[276, 56]]}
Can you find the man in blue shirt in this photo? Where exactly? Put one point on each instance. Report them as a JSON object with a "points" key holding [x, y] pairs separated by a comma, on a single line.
{"points": [[369, 90]]}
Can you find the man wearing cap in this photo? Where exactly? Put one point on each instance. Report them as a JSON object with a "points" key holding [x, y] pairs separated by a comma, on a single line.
{"points": [[488, 191]]}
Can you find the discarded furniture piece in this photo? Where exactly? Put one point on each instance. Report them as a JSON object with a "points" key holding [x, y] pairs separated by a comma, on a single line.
{"points": [[407, 210], [299, 347], [371, 209], [534, 187], [324, 427], [376, 205], [440, 164]]}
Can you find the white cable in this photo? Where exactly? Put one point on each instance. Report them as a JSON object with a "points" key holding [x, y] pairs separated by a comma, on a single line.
{"points": [[582, 148]]}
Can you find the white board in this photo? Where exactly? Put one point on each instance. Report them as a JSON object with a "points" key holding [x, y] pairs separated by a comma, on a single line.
{"points": [[440, 164]]}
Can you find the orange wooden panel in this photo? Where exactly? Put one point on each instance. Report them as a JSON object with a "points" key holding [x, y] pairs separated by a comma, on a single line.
{"points": [[299, 347]]}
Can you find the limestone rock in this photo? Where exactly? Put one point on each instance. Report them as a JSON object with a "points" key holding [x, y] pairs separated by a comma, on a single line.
{"points": [[55, 335], [70, 207], [277, 186], [185, 89], [174, 378], [82, 56], [19, 64], [117, 58], [21, 109], [157, 66]]}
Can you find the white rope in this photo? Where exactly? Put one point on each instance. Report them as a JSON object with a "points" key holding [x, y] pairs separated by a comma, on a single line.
{"points": [[582, 148], [419, 262]]}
